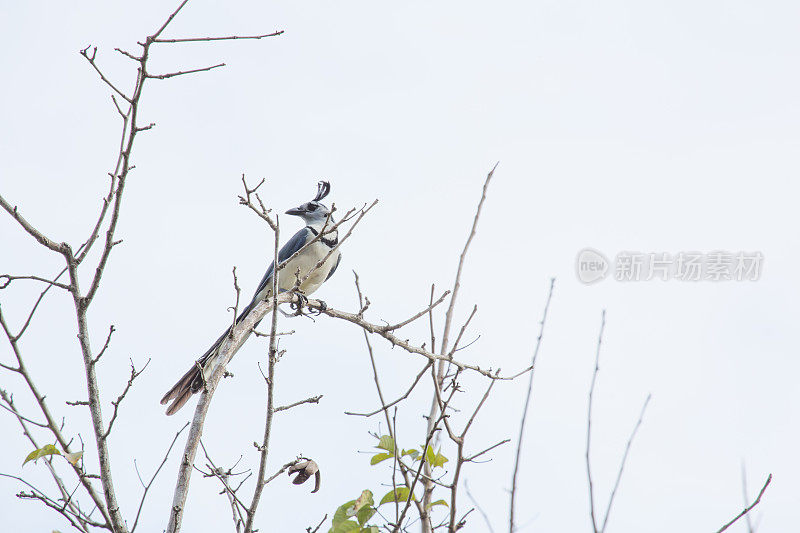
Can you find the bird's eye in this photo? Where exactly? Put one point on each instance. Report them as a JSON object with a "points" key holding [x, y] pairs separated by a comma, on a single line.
{"points": [[312, 207]]}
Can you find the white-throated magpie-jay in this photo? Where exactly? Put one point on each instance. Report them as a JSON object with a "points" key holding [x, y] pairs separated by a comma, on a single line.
{"points": [[318, 220]]}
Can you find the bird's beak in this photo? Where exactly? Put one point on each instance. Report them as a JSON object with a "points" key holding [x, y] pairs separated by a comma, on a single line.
{"points": [[296, 211]]}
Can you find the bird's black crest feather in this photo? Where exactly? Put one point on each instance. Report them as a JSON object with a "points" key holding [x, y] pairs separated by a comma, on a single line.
{"points": [[323, 188]]}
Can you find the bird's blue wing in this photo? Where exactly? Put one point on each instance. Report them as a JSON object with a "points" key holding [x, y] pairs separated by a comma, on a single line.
{"points": [[291, 247], [339, 260]]}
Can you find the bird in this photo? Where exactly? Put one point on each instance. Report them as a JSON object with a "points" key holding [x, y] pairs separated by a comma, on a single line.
{"points": [[319, 228]]}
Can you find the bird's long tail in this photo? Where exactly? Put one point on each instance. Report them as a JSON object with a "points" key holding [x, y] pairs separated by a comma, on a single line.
{"points": [[193, 380]]}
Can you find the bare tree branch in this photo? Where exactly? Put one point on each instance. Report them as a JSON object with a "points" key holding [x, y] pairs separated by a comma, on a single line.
{"points": [[622, 462], [309, 530], [447, 324], [237, 505], [27, 226], [749, 507], [52, 424], [134, 374], [313, 399], [81, 517], [428, 439], [514, 477], [107, 219], [593, 514], [6, 279], [398, 400], [589, 423], [39, 495], [227, 350], [404, 470], [155, 474], [490, 448], [457, 283], [182, 72], [463, 329], [91, 59], [229, 38], [9, 400], [272, 356], [752, 527], [427, 310], [407, 346]]}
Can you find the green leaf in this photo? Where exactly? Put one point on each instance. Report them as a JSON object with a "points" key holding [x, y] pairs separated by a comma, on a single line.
{"points": [[429, 455], [439, 460], [370, 529], [345, 527], [386, 443], [434, 458], [41, 452], [377, 458], [364, 514], [399, 495], [438, 502], [413, 452], [341, 513], [364, 500]]}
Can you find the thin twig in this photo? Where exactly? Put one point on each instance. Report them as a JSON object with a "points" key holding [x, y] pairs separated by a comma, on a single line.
{"points": [[229, 38], [751, 526], [28, 227], [440, 371], [404, 471], [622, 463], [407, 346], [749, 507], [52, 424], [91, 59], [621, 469], [309, 530], [589, 423], [116, 403], [227, 350], [490, 448], [514, 477], [237, 505], [82, 518], [155, 474], [425, 311], [463, 329], [6, 279], [422, 462], [8, 399], [313, 399], [457, 283], [271, 361], [182, 72], [398, 400], [37, 494]]}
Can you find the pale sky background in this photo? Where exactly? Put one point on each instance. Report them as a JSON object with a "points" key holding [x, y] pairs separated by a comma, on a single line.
{"points": [[660, 126]]}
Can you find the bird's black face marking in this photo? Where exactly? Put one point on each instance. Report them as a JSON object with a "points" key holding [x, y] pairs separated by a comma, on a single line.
{"points": [[311, 207]]}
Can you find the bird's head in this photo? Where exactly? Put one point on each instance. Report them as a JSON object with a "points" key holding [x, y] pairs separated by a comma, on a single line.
{"points": [[314, 212]]}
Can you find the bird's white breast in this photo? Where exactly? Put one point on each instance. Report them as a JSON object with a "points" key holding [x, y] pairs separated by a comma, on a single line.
{"points": [[305, 263]]}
